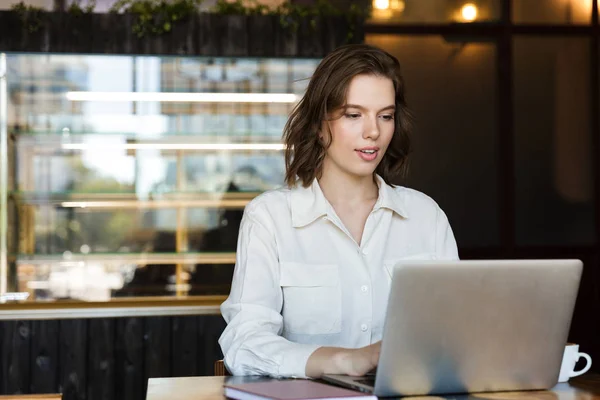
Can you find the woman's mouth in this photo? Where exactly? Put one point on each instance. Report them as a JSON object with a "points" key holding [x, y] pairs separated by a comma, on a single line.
{"points": [[367, 154]]}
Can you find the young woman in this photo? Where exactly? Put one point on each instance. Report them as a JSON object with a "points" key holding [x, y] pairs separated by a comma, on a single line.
{"points": [[314, 259]]}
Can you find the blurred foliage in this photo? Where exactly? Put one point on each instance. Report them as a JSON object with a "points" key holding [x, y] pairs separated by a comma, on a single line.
{"points": [[30, 16], [101, 230], [75, 7], [157, 16]]}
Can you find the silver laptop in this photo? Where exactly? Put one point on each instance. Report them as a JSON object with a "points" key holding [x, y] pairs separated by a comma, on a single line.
{"points": [[473, 326]]}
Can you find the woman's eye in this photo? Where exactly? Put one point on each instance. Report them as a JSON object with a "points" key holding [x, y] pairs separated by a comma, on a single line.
{"points": [[352, 115], [388, 117]]}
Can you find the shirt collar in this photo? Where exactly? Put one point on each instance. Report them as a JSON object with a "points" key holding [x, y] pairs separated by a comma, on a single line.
{"points": [[309, 203], [390, 198]]}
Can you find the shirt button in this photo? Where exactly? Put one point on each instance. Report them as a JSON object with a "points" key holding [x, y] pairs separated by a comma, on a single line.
{"points": [[365, 252], [364, 288], [364, 327]]}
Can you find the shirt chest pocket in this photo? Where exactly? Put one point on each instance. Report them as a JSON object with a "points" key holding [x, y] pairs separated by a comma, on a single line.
{"points": [[312, 298]]}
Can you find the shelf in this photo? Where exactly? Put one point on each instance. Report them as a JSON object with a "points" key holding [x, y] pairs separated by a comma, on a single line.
{"points": [[132, 258], [165, 137], [231, 200], [199, 143], [116, 307]]}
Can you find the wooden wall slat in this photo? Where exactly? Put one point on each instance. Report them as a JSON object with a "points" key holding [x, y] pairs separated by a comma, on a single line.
{"points": [[3, 327], [44, 356], [129, 359], [184, 345], [101, 360], [72, 355], [210, 328], [157, 347], [16, 341]]}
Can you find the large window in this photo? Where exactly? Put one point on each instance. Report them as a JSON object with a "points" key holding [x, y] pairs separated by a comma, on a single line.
{"points": [[129, 175], [552, 12], [434, 11]]}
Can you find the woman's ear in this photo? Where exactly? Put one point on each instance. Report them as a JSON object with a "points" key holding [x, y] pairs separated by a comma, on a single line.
{"points": [[320, 136], [324, 134], [322, 139]]}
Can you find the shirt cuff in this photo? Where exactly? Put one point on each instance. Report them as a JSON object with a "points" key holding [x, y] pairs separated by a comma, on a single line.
{"points": [[293, 363]]}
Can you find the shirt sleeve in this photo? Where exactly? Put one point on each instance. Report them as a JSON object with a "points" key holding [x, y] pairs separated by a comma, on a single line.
{"points": [[252, 343], [445, 243]]}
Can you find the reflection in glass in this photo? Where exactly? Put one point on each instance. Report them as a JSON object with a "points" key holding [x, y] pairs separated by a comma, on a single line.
{"points": [[435, 11], [145, 173], [553, 142], [552, 12], [116, 197], [451, 89]]}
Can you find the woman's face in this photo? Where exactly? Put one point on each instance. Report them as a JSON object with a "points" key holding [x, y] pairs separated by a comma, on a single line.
{"points": [[361, 131]]}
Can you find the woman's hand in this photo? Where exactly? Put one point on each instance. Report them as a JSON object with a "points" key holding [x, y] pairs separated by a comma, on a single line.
{"points": [[335, 360], [360, 361]]}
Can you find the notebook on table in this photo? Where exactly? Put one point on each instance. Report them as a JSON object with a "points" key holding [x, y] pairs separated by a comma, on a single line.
{"points": [[297, 389]]}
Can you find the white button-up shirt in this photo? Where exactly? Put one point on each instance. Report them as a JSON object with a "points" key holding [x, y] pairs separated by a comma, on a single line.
{"points": [[301, 281]]}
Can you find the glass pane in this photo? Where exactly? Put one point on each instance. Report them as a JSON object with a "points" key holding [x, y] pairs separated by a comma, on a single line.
{"points": [[552, 12], [553, 141], [452, 91], [47, 169], [129, 175], [434, 11], [128, 230]]}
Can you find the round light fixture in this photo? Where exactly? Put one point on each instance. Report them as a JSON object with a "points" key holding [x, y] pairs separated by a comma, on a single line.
{"points": [[381, 4], [469, 12]]}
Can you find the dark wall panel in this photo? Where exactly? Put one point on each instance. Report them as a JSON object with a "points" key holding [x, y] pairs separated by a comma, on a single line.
{"points": [[129, 359], [184, 346], [101, 359], [44, 356], [105, 358], [16, 373], [72, 357]]}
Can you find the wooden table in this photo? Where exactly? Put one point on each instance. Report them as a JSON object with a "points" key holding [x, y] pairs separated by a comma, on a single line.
{"points": [[57, 396], [586, 387]]}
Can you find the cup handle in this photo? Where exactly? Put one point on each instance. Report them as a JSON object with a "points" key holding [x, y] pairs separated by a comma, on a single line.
{"points": [[587, 366]]}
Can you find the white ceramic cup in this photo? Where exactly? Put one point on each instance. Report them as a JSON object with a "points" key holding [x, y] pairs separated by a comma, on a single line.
{"points": [[570, 358]]}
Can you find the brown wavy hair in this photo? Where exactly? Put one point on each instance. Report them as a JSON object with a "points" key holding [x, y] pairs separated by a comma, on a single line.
{"points": [[325, 94]]}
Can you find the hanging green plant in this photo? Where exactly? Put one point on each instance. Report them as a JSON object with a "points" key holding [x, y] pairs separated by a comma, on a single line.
{"points": [[239, 7], [354, 15], [157, 16], [225, 7], [290, 15], [30, 16], [315, 27], [75, 7]]}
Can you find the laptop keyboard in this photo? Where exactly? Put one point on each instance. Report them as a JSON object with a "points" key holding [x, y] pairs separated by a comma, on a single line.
{"points": [[366, 381]]}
